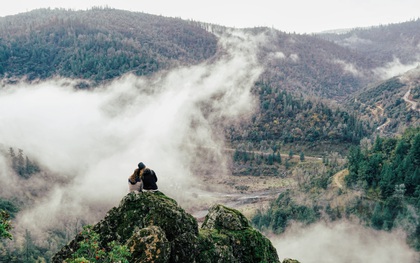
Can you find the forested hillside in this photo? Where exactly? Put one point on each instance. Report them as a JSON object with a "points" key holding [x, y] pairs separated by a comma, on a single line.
{"points": [[287, 119], [312, 66], [391, 105], [390, 173], [383, 43], [300, 70], [99, 44], [316, 97], [383, 191], [102, 44]]}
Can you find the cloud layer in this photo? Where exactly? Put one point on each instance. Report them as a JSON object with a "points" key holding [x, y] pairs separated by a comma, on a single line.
{"points": [[92, 140], [343, 242]]}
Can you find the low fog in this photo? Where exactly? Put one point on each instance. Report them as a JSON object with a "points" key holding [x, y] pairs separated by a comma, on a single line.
{"points": [[88, 142], [343, 242], [394, 68], [92, 140]]}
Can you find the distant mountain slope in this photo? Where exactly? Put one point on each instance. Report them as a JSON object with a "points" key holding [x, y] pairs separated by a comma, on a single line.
{"points": [[383, 43], [98, 44], [310, 65], [391, 105], [292, 120], [101, 44]]}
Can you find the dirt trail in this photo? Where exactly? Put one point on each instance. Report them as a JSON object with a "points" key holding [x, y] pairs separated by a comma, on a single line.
{"points": [[381, 108], [338, 178], [413, 104], [383, 125], [283, 155]]}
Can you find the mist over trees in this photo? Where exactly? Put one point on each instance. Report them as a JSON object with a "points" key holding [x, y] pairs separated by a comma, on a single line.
{"points": [[391, 168], [21, 164], [300, 111], [387, 175]]}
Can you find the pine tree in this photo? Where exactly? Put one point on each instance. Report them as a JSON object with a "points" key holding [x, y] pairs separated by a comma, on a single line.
{"points": [[20, 163], [13, 158], [278, 158], [270, 159], [415, 151], [355, 159], [302, 157], [387, 181]]}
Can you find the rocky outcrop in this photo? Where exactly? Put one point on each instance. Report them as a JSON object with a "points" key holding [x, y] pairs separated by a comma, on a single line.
{"points": [[288, 260], [156, 229], [227, 236]]}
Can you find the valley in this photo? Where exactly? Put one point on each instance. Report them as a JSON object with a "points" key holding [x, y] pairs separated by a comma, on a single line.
{"points": [[292, 130]]}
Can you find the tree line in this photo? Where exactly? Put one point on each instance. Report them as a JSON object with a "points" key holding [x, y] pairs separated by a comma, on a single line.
{"points": [[21, 164], [391, 169], [388, 173]]}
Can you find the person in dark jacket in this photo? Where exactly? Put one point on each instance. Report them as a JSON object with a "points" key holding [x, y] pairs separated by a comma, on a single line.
{"points": [[149, 180]]}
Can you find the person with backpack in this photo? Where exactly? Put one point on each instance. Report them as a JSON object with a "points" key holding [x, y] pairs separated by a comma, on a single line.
{"points": [[149, 180]]}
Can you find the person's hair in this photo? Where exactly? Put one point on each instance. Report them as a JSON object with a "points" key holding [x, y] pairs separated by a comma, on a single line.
{"points": [[137, 174]]}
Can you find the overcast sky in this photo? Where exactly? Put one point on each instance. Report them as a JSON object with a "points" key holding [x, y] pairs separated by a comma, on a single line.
{"points": [[300, 16]]}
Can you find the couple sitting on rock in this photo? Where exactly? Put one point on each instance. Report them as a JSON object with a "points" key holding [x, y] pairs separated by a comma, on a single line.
{"points": [[143, 179]]}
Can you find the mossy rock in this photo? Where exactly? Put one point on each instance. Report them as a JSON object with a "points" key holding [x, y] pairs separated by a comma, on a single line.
{"points": [[289, 260], [149, 245], [213, 247], [139, 211], [143, 210], [151, 209], [222, 217], [156, 229], [226, 235]]}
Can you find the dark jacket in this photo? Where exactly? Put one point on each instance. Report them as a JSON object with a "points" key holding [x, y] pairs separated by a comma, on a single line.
{"points": [[149, 180]]}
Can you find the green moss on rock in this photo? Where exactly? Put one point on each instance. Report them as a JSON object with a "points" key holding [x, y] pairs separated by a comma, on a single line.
{"points": [[156, 229], [222, 217], [226, 234], [288, 260], [149, 245]]}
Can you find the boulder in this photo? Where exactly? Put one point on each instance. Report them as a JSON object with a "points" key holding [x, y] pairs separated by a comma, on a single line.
{"points": [[227, 236]]}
